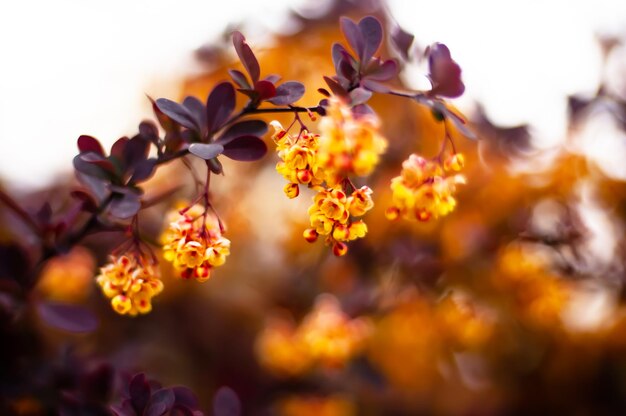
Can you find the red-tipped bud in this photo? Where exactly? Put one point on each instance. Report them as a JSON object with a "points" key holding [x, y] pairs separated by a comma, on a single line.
{"points": [[340, 249], [292, 190], [392, 213], [454, 163], [310, 235], [304, 176], [423, 215]]}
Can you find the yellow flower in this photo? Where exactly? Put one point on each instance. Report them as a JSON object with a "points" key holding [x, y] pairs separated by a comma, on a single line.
{"points": [[298, 157], [130, 282], [348, 145], [194, 243], [422, 192]]}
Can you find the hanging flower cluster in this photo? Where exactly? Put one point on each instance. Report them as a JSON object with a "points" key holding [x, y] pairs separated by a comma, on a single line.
{"points": [[326, 336], [425, 188], [348, 146], [130, 281], [194, 243]]}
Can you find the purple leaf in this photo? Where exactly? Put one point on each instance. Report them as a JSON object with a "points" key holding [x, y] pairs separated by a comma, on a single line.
{"points": [[118, 147], [402, 41], [160, 402], [89, 144], [338, 53], [186, 397], [363, 110], [458, 122], [125, 205], [97, 160], [246, 56], [335, 87], [243, 128], [359, 96], [143, 170], [375, 86], [288, 93], [273, 78], [245, 148], [165, 122], [89, 169], [139, 391], [239, 78], [220, 104], [135, 151], [265, 89], [72, 318], [346, 70], [178, 113], [384, 72], [216, 166], [445, 73], [353, 34], [206, 151], [197, 110], [372, 34]]}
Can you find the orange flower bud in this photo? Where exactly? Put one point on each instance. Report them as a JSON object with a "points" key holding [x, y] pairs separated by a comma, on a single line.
{"points": [[304, 176], [310, 235], [392, 213], [340, 249], [291, 190], [454, 163]]}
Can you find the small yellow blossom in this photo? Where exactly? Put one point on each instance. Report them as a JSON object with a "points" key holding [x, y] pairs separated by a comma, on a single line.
{"points": [[332, 214], [298, 157], [422, 191], [194, 243], [130, 282], [348, 145], [326, 336]]}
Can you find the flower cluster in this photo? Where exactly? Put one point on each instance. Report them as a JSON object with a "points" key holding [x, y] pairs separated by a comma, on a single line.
{"points": [[194, 243], [326, 336], [299, 162], [425, 188], [130, 282], [349, 145], [332, 215]]}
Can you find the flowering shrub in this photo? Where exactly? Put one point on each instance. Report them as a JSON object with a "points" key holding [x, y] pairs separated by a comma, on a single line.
{"points": [[439, 272]]}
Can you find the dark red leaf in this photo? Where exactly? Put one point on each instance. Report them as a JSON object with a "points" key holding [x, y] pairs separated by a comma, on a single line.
{"points": [[384, 71], [245, 148], [246, 56], [88, 203], [339, 54], [125, 205], [359, 96], [90, 144], [160, 402], [97, 160], [353, 34], [167, 123], [149, 132], [265, 89], [72, 318], [347, 71], [118, 147], [402, 41], [206, 151], [135, 151], [288, 93], [139, 391], [324, 92], [243, 128], [216, 166], [336, 88], [372, 35], [178, 113], [445, 73], [220, 104], [197, 110], [239, 78]]}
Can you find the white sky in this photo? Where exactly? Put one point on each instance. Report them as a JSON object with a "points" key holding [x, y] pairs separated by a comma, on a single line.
{"points": [[72, 67]]}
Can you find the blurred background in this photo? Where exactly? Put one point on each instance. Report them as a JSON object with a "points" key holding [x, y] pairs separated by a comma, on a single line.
{"points": [[513, 304]]}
